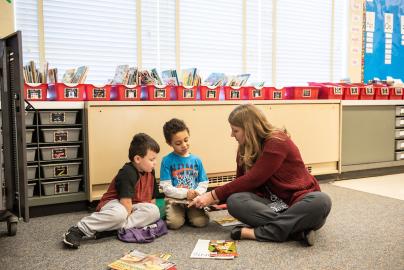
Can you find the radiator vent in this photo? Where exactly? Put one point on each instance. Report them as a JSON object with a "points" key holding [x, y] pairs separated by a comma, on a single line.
{"points": [[220, 180]]}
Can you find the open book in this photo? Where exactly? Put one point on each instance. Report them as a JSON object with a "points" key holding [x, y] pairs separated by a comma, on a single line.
{"points": [[136, 260], [215, 249], [227, 221]]}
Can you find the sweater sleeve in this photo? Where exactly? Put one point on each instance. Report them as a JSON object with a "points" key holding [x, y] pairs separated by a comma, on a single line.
{"points": [[274, 153]]}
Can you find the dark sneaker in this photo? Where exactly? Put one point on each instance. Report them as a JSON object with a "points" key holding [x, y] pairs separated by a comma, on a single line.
{"points": [[73, 237], [309, 237], [236, 233], [99, 235]]}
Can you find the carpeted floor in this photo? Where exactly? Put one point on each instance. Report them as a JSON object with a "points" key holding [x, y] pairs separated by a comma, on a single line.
{"points": [[363, 231]]}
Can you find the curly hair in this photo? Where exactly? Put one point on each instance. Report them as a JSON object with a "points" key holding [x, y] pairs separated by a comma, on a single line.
{"points": [[172, 127]]}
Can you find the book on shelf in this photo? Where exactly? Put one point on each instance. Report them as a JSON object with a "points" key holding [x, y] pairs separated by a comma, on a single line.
{"points": [[227, 221], [215, 249], [137, 260]]}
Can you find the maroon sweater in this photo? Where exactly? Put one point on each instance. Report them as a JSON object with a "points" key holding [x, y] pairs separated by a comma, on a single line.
{"points": [[280, 169]]}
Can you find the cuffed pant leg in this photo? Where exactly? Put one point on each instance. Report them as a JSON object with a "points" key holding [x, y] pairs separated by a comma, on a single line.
{"points": [[110, 217], [197, 217], [309, 213], [175, 215], [143, 214]]}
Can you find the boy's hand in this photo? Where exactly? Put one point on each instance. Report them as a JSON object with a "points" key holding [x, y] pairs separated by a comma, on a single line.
{"points": [[191, 194]]}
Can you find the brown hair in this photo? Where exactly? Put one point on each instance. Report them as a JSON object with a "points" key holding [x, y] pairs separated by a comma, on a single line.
{"points": [[257, 130]]}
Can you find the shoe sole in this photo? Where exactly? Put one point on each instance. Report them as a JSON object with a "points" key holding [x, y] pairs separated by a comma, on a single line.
{"points": [[310, 238], [67, 243]]}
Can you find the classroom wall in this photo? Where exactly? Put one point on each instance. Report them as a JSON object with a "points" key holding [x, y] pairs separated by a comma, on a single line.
{"points": [[6, 18]]}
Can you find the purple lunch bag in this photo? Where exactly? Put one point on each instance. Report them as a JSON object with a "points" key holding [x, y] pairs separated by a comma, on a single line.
{"points": [[143, 235]]}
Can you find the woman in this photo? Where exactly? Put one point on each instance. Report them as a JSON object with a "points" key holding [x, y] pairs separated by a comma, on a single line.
{"points": [[273, 192]]}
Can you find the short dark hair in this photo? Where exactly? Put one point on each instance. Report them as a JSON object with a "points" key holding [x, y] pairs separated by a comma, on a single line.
{"points": [[172, 127], [142, 142]]}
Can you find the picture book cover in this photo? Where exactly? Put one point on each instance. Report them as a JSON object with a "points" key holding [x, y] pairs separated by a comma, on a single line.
{"points": [[215, 249], [137, 260]]}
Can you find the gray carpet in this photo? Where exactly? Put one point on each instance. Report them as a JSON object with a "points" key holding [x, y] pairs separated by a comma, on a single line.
{"points": [[363, 231]]}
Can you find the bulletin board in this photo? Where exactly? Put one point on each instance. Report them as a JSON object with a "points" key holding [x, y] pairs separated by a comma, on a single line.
{"points": [[384, 39]]}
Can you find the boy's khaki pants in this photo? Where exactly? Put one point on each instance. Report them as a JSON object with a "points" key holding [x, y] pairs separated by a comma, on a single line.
{"points": [[176, 215]]}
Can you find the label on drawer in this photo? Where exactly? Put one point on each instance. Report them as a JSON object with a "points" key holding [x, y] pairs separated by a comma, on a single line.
{"points": [[61, 188], [402, 145], [402, 111], [402, 156], [61, 171], [402, 122], [59, 153], [401, 133], [57, 117], [61, 136]]}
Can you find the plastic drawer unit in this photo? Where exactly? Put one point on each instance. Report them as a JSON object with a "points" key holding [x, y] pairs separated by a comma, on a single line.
{"points": [[29, 118], [28, 135], [59, 152], [58, 117], [31, 171], [60, 169], [31, 187], [60, 135], [60, 187], [31, 154]]}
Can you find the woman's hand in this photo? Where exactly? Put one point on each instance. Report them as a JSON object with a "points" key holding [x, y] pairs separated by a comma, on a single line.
{"points": [[203, 200]]}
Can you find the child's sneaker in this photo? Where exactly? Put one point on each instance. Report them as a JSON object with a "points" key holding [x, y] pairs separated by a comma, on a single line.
{"points": [[309, 237], [72, 237]]}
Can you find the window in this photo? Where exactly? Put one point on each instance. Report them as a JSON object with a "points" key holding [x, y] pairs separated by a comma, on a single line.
{"points": [[158, 34], [211, 36], [27, 21]]}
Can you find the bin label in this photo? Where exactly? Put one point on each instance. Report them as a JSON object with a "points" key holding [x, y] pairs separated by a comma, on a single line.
{"points": [[337, 91], [306, 93], [235, 94], [211, 94], [369, 91], [99, 93], [130, 93], [384, 91], [61, 171], [398, 91], [34, 93], [71, 92], [60, 136], [59, 153], [257, 93], [159, 93], [188, 93], [354, 90], [62, 188], [57, 117], [277, 95]]}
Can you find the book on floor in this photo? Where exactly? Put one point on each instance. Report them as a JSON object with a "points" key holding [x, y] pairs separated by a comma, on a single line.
{"points": [[215, 249], [227, 221], [137, 260]]}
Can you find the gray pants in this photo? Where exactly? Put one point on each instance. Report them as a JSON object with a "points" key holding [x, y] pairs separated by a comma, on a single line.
{"points": [[114, 216], [309, 213]]}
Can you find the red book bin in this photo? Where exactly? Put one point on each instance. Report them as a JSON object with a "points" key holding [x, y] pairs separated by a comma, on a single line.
{"points": [[126, 92], [367, 92], [396, 93], [233, 92], [159, 92], [302, 92], [98, 92], [186, 92], [382, 92], [331, 92], [273, 93], [252, 92], [209, 92], [67, 91], [351, 91], [35, 91]]}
